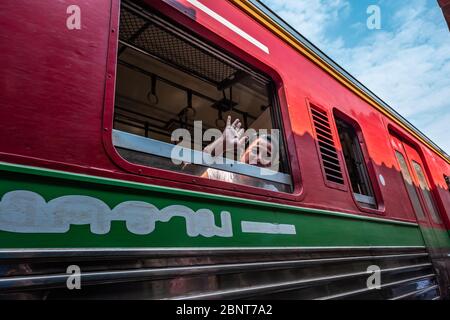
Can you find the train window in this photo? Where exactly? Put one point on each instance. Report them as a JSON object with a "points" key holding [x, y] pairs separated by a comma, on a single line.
{"points": [[410, 188], [356, 167], [447, 181], [185, 106], [428, 197]]}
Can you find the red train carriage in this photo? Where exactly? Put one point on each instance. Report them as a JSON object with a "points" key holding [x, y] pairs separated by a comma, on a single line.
{"points": [[93, 94]]}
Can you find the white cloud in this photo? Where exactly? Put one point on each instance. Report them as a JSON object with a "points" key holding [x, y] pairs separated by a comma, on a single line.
{"points": [[407, 65]]}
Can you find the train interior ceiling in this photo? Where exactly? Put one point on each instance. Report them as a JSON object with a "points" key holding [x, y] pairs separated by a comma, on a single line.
{"points": [[167, 79]]}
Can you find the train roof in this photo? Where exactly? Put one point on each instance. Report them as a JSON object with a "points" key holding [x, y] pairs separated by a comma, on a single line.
{"points": [[277, 25]]}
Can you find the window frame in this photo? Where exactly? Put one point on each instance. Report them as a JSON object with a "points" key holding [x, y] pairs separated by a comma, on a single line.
{"points": [[154, 147], [204, 34], [328, 183], [369, 165]]}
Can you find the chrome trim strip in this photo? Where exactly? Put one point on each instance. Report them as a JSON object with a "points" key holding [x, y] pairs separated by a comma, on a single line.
{"points": [[295, 34], [287, 286], [436, 298], [171, 272], [364, 199], [162, 149], [383, 286], [415, 293], [132, 252]]}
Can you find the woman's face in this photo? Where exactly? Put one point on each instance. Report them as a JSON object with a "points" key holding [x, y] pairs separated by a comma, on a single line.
{"points": [[258, 153]]}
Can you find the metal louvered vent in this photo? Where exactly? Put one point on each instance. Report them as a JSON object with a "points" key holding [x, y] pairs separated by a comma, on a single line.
{"points": [[327, 148], [172, 48]]}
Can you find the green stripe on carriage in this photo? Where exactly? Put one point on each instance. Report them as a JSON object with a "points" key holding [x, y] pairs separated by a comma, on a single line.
{"points": [[266, 224]]}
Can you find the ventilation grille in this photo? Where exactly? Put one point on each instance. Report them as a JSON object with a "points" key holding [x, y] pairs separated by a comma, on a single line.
{"points": [[171, 48], [327, 148]]}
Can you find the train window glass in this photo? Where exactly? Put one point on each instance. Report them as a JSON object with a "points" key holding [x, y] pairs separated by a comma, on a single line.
{"points": [[356, 167], [410, 188], [174, 96], [428, 197]]}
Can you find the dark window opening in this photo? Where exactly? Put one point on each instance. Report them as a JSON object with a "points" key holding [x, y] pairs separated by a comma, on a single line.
{"points": [[168, 79], [410, 188], [355, 163], [447, 181]]}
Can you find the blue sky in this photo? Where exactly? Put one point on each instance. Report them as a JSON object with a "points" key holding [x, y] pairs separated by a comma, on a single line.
{"points": [[406, 62]]}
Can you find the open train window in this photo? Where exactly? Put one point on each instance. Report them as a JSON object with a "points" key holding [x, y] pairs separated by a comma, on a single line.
{"points": [[355, 163], [410, 188], [174, 95]]}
